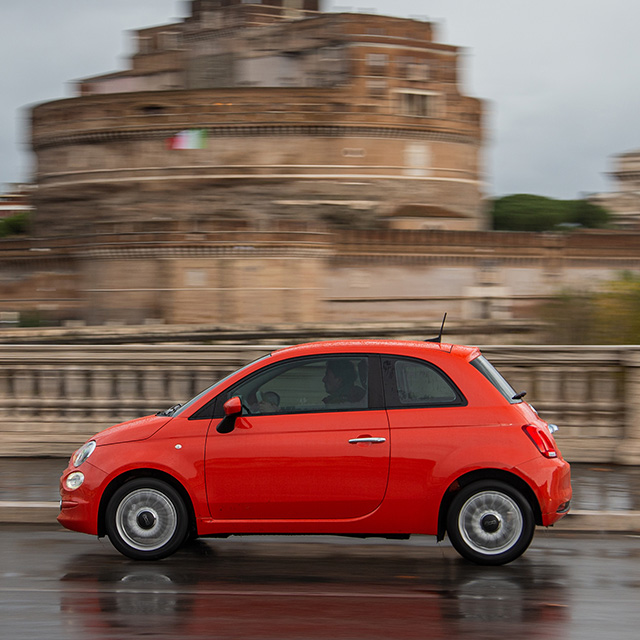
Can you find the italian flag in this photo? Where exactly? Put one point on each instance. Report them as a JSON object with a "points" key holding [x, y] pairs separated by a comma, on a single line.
{"points": [[188, 139]]}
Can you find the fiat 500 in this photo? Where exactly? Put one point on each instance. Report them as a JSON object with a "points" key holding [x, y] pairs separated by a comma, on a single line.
{"points": [[358, 438]]}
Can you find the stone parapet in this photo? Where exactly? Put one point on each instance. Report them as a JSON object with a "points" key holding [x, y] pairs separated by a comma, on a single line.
{"points": [[52, 398], [628, 449]]}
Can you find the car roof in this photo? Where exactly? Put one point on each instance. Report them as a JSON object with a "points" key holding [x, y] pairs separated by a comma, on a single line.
{"points": [[399, 347]]}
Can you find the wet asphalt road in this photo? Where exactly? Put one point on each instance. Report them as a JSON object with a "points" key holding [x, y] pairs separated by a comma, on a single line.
{"points": [[56, 584]]}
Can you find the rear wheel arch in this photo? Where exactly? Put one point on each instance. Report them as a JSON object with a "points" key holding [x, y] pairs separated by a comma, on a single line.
{"points": [[122, 479], [485, 474]]}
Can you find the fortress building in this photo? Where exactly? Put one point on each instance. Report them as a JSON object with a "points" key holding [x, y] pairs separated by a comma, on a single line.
{"points": [[624, 201], [264, 163], [266, 111]]}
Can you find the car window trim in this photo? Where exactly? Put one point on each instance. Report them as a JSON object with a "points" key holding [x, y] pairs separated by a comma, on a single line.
{"points": [[214, 408], [391, 389]]}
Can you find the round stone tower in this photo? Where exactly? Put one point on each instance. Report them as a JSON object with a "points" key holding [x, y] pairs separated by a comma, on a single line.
{"points": [[261, 112]]}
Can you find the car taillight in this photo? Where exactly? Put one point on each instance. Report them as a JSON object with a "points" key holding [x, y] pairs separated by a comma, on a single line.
{"points": [[543, 440]]}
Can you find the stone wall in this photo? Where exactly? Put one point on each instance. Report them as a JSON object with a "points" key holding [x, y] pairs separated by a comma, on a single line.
{"points": [[55, 397], [229, 115], [294, 154], [207, 272]]}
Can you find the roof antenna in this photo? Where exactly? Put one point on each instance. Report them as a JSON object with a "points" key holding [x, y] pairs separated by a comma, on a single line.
{"points": [[439, 336]]}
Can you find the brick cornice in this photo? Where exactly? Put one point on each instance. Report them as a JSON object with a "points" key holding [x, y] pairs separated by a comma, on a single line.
{"points": [[253, 131]]}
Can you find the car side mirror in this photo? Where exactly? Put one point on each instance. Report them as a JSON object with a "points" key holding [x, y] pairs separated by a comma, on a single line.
{"points": [[232, 409]]}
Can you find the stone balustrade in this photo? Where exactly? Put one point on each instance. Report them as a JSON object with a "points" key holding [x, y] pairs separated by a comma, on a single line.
{"points": [[588, 391], [54, 397]]}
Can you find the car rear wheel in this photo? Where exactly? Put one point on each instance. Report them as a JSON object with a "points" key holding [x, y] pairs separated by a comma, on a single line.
{"points": [[491, 523], [146, 519]]}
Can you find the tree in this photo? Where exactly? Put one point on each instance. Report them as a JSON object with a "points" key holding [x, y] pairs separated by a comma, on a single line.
{"points": [[609, 316], [589, 215], [14, 225], [525, 212]]}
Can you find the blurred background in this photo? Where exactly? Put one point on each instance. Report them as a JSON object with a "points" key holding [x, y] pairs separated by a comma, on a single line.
{"points": [[261, 173]]}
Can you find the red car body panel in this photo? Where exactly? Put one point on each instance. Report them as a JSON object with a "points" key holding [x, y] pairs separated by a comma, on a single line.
{"points": [[298, 467], [298, 473]]}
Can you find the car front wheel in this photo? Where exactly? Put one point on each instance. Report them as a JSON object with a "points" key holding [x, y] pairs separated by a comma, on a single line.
{"points": [[146, 519], [491, 523]]}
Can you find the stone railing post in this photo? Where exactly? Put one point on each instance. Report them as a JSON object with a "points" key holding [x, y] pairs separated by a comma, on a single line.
{"points": [[628, 451]]}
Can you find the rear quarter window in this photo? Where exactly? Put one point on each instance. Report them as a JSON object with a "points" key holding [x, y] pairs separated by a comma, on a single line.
{"points": [[495, 378], [415, 383]]}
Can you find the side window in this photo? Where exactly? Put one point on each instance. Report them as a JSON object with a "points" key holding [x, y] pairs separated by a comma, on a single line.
{"points": [[335, 383], [414, 383]]}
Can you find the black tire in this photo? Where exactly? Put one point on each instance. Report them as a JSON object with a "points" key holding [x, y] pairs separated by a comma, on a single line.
{"points": [[491, 523], [146, 519]]}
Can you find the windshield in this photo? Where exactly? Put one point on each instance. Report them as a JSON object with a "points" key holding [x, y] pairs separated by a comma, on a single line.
{"points": [[496, 379], [181, 409]]}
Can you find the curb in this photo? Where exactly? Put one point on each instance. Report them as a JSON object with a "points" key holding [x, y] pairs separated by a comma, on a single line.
{"points": [[600, 521], [28, 512], [14, 512]]}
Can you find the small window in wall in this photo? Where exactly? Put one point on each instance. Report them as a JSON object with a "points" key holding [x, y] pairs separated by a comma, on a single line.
{"points": [[152, 110], [169, 40], [402, 66], [418, 71], [145, 44], [195, 278], [377, 88], [348, 152], [421, 104], [377, 64], [330, 54], [412, 68]]}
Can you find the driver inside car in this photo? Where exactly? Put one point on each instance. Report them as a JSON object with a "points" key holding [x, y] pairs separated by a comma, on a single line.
{"points": [[268, 402]]}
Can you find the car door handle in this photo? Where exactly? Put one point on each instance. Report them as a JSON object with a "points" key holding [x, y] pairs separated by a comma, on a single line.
{"points": [[369, 440]]}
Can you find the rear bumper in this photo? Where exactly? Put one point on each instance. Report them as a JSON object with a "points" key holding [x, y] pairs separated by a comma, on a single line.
{"points": [[551, 483]]}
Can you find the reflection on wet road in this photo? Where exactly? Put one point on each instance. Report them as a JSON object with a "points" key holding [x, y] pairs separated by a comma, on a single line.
{"points": [[57, 584]]}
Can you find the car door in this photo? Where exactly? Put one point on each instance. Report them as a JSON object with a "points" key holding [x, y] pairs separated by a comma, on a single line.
{"points": [[425, 409], [303, 448]]}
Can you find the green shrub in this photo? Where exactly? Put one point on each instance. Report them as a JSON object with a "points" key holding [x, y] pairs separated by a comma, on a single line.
{"points": [[610, 316], [524, 212], [14, 225]]}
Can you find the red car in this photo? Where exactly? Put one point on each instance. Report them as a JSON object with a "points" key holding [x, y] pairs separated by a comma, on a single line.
{"points": [[361, 438]]}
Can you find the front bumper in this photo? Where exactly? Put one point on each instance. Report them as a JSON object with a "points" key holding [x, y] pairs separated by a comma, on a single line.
{"points": [[79, 508]]}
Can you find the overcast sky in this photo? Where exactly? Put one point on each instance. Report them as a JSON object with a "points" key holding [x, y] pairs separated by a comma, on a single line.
{"points": [[560, 78]]}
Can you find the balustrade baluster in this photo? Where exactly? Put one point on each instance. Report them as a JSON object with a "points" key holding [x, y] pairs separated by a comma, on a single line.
{"points": [[167, 379], [88, 383], [36, 391], [589, 392], [115, 386], [10, 383], [140, 386], [62, 383]]}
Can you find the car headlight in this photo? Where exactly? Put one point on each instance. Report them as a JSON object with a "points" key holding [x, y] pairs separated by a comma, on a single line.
{"points": [[83, 453], [74, 480]]}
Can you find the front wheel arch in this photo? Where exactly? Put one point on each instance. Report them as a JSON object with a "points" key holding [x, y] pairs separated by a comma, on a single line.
{"points": [[117, 482]]}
